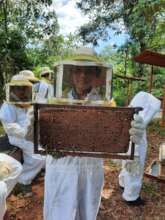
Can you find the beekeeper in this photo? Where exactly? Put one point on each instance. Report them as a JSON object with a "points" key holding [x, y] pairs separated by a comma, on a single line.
{"points": [[14, 118], [45, 88], [10, 170], [29, 75], [73, 184], [131, 175]]}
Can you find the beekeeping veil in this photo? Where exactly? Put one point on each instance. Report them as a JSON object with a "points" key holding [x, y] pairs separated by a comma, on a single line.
{"points": [[46, 71], [85, 57], [19, 91], [29, 75]]}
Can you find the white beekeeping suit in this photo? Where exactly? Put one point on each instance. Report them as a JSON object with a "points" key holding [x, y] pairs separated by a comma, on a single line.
{"points": [[10, 169], [131, 175], [44, 89], [73, 184], [14, 118]]}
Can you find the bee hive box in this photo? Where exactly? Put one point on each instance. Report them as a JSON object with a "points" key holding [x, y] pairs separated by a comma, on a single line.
{"points": [[83, 130]]}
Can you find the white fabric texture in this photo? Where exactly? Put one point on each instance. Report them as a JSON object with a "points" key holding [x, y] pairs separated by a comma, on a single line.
{"points": [[15, 120], [73, 187], [137, 129], [5, 170], [92, 96], [131, 175], [8, 183], [30, 128], [3, 196], [46, 91]]}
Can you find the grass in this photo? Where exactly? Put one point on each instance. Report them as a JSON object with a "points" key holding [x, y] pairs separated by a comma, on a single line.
{"points": [[150, 188], [115, 163], [2, 132], [155, 127]]}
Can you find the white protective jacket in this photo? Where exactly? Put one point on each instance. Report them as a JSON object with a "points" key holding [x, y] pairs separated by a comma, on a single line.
{"points": [[131, 175], [73, 185], [44, 91], [8, 182], [14, 120]]}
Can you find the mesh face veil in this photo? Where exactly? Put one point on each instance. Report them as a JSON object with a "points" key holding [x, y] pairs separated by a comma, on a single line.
{"points": [[94, 70], [29, 75], [19, 91], [46, 72]]}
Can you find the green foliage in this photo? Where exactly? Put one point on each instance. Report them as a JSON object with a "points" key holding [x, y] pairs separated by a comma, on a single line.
{"points": [[142, 19], [2, 132], [154, 127], [124, 65], [12, 55], [25, 29], [150, 188], [32, 18]]}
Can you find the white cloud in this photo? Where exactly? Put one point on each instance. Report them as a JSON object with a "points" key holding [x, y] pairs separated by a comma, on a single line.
{"points": [[69, 16]]}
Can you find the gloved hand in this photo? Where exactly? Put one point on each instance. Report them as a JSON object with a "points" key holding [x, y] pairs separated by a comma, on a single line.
{"points": [[137, 129], [30, 127]]}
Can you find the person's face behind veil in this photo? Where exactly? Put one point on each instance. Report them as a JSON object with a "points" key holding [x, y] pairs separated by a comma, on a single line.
{"points": [[83, 79]]}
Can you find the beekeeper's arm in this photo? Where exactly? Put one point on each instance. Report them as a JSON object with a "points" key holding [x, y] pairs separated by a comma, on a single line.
{"points": [[9, 121], [149, 103], [30, 127], [14, 129], [10, 170], [137, 129]]}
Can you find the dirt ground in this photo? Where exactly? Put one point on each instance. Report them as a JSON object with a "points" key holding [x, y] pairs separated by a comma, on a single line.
{"points": [[112, 206]]}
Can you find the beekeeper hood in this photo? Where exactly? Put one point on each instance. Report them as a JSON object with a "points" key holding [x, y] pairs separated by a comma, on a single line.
{"points": [[85, 57], [19, 91], [46, 72], [29, 75]]}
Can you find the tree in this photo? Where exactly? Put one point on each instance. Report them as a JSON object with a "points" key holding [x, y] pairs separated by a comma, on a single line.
{"points": [[12, 56], [140, 18], [23, 24], [33, 18]]}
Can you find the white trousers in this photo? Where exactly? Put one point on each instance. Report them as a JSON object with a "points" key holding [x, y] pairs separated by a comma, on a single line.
{"points": [[33, 163], [73, 188], [131, 179], [3, 196], [131, 175], [8, 183]]}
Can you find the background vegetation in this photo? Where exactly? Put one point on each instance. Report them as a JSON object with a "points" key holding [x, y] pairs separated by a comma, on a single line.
{"points": [[30, 39]]}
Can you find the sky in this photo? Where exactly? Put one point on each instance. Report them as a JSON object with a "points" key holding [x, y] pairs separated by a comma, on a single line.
{"points": [[70, 19]]}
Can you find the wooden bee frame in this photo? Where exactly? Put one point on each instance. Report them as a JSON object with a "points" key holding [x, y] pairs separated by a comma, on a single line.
{"points": [[81, 130]]}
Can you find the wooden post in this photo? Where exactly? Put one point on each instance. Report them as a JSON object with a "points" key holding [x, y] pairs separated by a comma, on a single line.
{"points": [[59, 81], [151, 80], [35, 125], [162, 123], [108, 91], [128, 92]]}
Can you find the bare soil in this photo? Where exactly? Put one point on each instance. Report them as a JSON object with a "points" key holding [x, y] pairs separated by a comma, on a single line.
{"points": [[112, 206]]}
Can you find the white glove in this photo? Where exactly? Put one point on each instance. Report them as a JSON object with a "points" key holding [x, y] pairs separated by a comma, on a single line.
{"points": [[137, 129], [30, 127]]}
